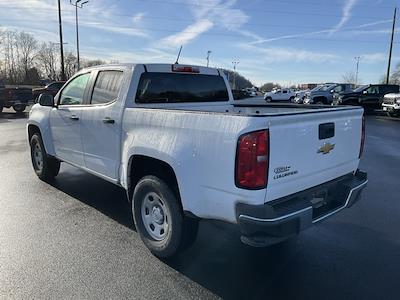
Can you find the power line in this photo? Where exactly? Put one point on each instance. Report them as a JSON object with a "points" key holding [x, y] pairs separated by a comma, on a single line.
{"points": [[285, 12], [240, 35], [183, 20]]}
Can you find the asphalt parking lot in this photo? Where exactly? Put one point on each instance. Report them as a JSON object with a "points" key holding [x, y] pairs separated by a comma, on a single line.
{"points": [[75, 239]]}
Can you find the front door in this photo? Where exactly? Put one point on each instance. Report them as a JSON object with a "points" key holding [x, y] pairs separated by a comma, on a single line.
{"points": [[101, 124], [65, 120]]}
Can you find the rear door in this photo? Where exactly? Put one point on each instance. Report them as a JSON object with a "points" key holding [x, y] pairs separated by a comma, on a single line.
{"points": [[101, 123], [312, 148], [65, 120]]}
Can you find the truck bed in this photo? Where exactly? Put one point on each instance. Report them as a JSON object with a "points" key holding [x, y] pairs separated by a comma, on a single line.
{"points": [[256, 110]]}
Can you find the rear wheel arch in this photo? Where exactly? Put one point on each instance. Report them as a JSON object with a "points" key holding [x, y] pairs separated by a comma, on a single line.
{"points": [[320, 99], [140, 166]]}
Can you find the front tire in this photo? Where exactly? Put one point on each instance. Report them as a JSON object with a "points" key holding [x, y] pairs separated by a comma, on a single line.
{"points": [[45, 166], [268, 99], [19, 108], [159, 218], [392, 115]]}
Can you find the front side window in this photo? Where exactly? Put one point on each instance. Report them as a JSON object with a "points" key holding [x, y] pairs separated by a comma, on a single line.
{"points": [[73, 93], [157, 87], [57, 85], [338, 89], [107, 87], [373, 90]]}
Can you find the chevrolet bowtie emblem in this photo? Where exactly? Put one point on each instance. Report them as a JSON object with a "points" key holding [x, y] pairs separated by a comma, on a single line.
{"points": [[326, 148]]}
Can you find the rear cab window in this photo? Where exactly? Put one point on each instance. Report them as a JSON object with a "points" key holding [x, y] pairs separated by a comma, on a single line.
{"points": [[160, 87]]}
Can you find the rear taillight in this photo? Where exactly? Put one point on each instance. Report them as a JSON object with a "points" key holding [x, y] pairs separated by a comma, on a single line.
{"points": [[252, 160], [362, 137]]}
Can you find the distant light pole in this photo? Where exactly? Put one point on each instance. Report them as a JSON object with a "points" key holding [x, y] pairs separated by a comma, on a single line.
{"points": [[208, 57], [77, 5], [357, 58], [234, 63], [391, 47], [61, 42]]}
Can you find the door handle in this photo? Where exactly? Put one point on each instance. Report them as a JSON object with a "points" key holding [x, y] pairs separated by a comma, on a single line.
{"points": [[74, 117], [108, 121]]}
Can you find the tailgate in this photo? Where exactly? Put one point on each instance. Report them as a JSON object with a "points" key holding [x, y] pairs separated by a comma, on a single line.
{"points": [[309, 149]]}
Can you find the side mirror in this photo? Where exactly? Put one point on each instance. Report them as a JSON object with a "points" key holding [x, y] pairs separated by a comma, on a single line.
{"points": [[46, 100], [332, 91], [365, 92]]}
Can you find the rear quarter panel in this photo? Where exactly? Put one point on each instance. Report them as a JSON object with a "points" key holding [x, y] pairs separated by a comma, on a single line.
{"points": [[201, 149]]}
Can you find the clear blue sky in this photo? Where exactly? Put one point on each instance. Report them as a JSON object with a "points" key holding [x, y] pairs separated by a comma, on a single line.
{"points": [[286, 41]]}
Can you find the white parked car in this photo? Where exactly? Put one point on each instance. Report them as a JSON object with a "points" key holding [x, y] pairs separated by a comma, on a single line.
{"points": [[173, 138], [391, 104], [279, 95], [299, 96]]}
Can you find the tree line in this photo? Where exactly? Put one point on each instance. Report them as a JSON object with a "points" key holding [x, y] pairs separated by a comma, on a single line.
{"points": [[26, 60]]}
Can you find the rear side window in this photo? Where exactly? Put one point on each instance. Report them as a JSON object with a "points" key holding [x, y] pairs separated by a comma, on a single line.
{"points": [[386, 89], [107, 86], [176, 88]]}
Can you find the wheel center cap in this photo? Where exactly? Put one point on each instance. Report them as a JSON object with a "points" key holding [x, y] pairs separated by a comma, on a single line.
{"points": [[157, 214]]}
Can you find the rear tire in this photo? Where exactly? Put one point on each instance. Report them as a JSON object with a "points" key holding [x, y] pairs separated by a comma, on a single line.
{"points": [[45, 166], [19, 108], [392, 115], [159, 218]]}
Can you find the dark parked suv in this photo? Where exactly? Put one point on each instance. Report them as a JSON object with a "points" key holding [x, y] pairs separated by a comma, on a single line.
{"points": [[51, 89], [368, 96]]}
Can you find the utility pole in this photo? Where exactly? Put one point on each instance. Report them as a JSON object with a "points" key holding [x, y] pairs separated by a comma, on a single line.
{"points": [[208, 57], [391, 46], [61, 42], [234, 63], [357, 58], [77, 5]]}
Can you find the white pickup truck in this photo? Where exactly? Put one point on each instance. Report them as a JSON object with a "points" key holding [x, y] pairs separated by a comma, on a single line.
{"points": [[173, 138]]}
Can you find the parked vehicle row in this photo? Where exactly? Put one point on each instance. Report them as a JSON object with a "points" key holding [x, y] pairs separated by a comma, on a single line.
{"points": [[20, 97], [324, 94], [370, 96]]}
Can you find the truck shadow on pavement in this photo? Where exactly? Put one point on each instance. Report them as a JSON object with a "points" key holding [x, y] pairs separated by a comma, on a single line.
{"points": [[333, 260], [105, 197], [6, 116]]}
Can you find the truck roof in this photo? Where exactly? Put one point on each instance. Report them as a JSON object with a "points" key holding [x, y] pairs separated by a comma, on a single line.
{"points": [[163, 67]]}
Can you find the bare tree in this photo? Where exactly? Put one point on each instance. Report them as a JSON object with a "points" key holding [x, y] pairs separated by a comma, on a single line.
{"points": [[349, 77], [26, 46], [70, 64], [47, 60]]}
